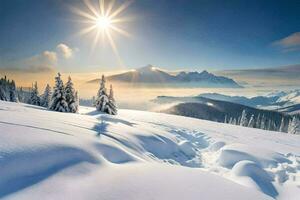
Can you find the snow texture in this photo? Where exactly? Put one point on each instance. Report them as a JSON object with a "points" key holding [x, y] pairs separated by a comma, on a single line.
{"points": [[141, 155]]}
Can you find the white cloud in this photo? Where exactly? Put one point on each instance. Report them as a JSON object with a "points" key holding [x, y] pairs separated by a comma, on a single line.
{"points": [[289, 43], [43, 62], [65, 51]]}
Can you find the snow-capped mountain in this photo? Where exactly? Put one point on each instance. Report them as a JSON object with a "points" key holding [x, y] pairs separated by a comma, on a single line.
{"points": [[141, 155], [155, 75]]}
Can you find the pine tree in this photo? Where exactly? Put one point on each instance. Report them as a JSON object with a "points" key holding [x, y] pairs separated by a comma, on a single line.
{"points": [[34, 95], [58, 99], [102, 97], [225, 119], [12, 92], [281, 128], [234, 122], [263, 122], [258, 121], [70, 97], [230, 120], [251, 122], [294, 126], [243, 120], [46, 98], [111, 105]]}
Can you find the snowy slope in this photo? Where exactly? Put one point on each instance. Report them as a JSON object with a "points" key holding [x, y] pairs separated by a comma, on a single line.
{"points": [[140, 155]]}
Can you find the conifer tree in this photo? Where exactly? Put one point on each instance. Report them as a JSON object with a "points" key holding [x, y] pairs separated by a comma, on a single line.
{"points": [[281, 128], [46, 97], [225, 119], [58, 99], [294, 126], [112, 108], [70, 97], [102, 97], [251, 121], [12, 92], [243, 120], [34, 95], [263, 122], [258, 121]]}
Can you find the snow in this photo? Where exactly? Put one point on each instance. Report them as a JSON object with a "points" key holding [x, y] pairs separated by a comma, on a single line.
{"points": [[140, 155]]}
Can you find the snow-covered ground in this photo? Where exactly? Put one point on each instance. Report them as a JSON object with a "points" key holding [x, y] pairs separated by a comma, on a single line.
{"points": [[141, 155]]}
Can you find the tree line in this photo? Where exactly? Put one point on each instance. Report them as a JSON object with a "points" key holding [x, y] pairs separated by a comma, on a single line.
{"points": [[287, 125], [63, 97]]}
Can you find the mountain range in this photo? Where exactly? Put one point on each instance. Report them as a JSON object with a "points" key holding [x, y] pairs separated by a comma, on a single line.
{"points": [[153, 75]]}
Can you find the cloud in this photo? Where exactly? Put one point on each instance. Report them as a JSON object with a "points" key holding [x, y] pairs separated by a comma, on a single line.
{"points": [[289, 43], [65, 51], [274, 76], [43, 62]]}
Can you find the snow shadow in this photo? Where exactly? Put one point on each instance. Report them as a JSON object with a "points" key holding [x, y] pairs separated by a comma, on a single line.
{"points": [[19, 170]]}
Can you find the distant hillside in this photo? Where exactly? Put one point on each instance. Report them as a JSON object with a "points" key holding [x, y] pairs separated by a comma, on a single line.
{"points": [[154, 75], [214, 110]]}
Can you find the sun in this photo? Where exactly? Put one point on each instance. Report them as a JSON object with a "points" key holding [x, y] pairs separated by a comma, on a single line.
{"points": [[102, 20], [103, 23]]}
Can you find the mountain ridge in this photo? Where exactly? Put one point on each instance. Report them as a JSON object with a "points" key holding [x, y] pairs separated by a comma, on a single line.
{"points": [[153, 75]]}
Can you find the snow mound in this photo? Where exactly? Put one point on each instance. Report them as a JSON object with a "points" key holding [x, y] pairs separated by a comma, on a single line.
{"points": [[231, 154], [259, 177]]}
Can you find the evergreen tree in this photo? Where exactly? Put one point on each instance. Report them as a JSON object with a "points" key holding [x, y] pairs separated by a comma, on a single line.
{"points": [[12, 92], [243, 120], [46, 98], [263, 122], [234, 122], [102, 97], [258, 121], [251, 122], [70, 97], [225, 119], [230, 120], [281, 128], [34, 95], [58, 99], [294, 126], [111, 105]]}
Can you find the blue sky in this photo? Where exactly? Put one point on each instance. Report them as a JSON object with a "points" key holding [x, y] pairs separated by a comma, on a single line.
{"points": [[174, 34]]}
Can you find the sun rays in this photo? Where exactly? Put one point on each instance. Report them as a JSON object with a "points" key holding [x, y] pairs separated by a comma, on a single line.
{"points": [[102, 21]]}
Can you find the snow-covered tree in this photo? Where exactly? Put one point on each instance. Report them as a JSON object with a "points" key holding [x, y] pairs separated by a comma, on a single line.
{"points": [[34, 95], [243, 120], [46, 97], [225, 119], [294, 126], [263, 122], [230, 120], [258, 121], [251, 122], [111, 105], [281, 128], [70, 96], [58, 99], [234, 121], [12, 92], [102, 97], [8, 90]]}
